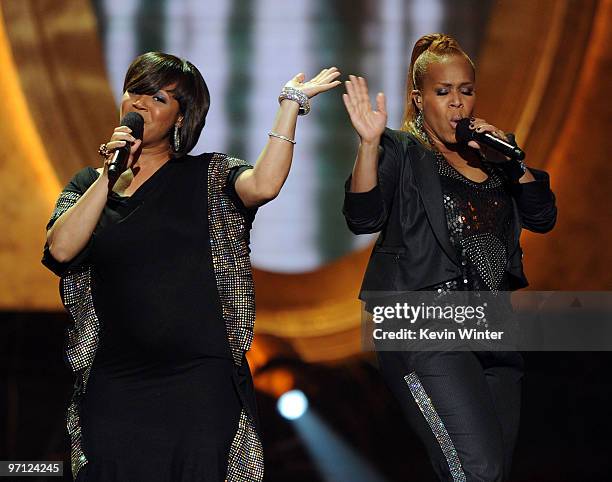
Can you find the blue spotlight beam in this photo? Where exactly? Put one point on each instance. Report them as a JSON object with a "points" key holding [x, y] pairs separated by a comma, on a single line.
{"points": [[336, 460]]}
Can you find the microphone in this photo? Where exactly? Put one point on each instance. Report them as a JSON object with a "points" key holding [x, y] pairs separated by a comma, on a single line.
{"points": [[118, 164], [464, 134]]}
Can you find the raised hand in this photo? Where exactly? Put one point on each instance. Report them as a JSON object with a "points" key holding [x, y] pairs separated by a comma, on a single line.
{"points": [[368, 123], [322, 82]]}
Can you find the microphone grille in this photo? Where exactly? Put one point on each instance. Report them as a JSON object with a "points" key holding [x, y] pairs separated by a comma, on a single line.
{"points": [[463, 133], [134, 121]]}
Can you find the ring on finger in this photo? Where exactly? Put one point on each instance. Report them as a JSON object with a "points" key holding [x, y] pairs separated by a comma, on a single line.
{"points": [[104, 151]]}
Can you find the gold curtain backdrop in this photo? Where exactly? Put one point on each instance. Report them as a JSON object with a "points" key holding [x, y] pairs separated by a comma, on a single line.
{"points": [[543, 71]]}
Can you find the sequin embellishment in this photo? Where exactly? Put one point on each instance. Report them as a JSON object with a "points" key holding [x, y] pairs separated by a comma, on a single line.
{"points": [[488, 255], [232, 267], [437, 426], [246, 453], [65, 201], [230, 253], [479, 220], [81, 337]]}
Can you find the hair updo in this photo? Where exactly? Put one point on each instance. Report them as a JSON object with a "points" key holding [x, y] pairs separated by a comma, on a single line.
{"points": [[432, 47]]}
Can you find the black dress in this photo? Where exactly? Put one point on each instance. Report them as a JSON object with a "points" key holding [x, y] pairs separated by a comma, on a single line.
{"points": [[161, 402]]}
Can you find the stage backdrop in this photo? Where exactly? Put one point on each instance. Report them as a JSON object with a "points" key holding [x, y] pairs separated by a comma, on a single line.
{"points": [[541, 70]]}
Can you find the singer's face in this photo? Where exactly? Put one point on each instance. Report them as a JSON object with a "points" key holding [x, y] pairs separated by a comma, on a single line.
{"points": [[447, 95], [160, 112]]}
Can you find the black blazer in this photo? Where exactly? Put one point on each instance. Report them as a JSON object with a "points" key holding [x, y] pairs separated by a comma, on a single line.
{"points": [[413, 250]]}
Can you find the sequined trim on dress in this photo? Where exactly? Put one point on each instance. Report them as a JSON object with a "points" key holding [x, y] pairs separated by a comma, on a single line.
{"points": [[65, 201], [81, 337], [232, 267], [246, 453], [230, 253], [437, 426]]}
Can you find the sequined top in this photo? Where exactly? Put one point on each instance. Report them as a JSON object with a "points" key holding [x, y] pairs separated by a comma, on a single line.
{"points": [[479, 221]]}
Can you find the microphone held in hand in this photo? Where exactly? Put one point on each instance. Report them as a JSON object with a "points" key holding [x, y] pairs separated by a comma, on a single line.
{"points": [[118, 164], [464, 134]]}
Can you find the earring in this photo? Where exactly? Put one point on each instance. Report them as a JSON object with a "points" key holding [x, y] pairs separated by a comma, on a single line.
{"points": [[418, 121], [418, 124], [177, 138]]}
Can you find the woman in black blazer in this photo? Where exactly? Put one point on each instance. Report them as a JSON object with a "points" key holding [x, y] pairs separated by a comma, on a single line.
{"points": [[450, 217]]}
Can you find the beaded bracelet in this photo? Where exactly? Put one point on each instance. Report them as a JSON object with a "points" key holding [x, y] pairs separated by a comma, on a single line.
{"points": [[298, 96]]}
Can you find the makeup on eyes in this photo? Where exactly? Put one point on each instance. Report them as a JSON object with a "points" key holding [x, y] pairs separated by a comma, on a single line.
{"points": [[463, 91]]}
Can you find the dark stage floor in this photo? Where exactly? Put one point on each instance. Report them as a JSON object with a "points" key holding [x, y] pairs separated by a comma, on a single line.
{"points": [[564, 430]]}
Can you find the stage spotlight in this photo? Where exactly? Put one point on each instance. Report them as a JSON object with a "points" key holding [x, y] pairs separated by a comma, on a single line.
{"points": [[292, 404], [335, 458]]}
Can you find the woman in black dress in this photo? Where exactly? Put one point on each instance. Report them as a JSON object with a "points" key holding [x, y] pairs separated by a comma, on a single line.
{"points": [[155, 273], [450, 217]]}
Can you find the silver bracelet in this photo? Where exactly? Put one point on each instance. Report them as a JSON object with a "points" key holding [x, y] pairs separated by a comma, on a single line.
{"points": [[297, 96], [284, 138]]}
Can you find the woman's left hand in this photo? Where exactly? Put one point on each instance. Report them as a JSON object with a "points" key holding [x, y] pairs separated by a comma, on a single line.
{"points": [[481, 125], [322, 82]]}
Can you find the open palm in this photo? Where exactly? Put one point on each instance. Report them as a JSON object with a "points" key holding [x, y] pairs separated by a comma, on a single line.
{"points": [[368, 123], [324, 80]]}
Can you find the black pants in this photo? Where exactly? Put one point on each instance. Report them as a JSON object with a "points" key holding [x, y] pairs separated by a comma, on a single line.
{"points": [[464, 406]]}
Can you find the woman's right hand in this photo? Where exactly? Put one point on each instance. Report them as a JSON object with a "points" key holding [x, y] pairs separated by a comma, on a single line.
{"points": [[369, 123], [121, 136]]}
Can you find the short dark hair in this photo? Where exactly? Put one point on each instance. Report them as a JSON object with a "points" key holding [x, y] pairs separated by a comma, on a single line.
{"points": [[153, 71]]}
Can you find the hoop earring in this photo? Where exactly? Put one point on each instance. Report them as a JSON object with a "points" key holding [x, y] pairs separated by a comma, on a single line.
{"points": [[176, 141]]}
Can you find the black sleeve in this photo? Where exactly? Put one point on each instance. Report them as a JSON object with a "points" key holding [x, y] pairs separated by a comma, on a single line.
{"points": [[230, 190], [73, 191], [536, 202], [367, 212]]}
